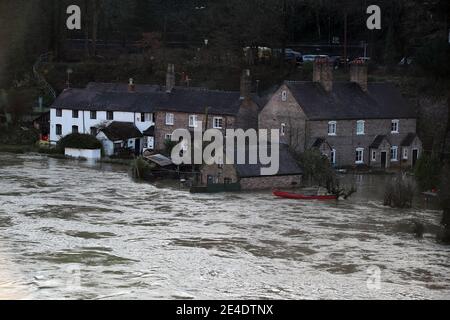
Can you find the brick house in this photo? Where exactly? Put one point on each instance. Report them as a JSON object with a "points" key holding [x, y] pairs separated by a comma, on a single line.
{"points": [[155, 110], [354, 123], [249, 175]]}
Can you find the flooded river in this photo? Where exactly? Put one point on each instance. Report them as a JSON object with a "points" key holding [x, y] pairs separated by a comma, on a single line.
{"points": [[73, 230]]}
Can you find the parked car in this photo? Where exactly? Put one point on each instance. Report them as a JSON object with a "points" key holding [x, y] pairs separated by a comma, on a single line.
{"points": [[313, 57], [290, 55]]}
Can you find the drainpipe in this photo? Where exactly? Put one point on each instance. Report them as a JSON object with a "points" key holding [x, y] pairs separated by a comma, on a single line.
{"points": [[84, 125]]}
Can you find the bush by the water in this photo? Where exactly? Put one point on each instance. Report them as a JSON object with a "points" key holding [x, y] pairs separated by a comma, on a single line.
{"points": [[79, 141], [141, 169], [399, 193], [18, 135], [427, 172]]}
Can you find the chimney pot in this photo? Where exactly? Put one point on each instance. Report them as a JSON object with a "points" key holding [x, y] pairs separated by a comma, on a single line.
{"points": [[170, 78], [359, 74], [323, 73], [131, 85], [246, 84]]}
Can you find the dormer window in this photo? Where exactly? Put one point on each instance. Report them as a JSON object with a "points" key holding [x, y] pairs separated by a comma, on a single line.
{"points": [[395, 126], [283, 129], [360, 127], [332, 125], [284, 95]]}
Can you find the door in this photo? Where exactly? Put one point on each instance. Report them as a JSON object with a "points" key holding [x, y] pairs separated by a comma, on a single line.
{"points": [[210, 180], [415, 155], [383, 160], [137, 146], [151, 143]]}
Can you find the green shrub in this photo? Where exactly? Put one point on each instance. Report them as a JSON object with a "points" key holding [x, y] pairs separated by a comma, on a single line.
{"points": [[141, 169], [399, 193], [79, 141], [427, 172], [18, 136]]}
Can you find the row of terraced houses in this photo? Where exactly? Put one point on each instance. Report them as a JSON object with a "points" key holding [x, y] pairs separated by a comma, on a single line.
{"points": [[354, 123]]}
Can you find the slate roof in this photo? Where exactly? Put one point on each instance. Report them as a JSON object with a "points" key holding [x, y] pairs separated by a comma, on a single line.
{"points": [[186, 100], [149, 132], [347, 101], [121, 131], [377, 142], [288, 165], [409, 139]]}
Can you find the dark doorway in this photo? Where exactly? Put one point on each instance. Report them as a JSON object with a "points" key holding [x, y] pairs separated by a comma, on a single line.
{"points": [[210, 180], [137, 147], [415, 155], [383, 160]]}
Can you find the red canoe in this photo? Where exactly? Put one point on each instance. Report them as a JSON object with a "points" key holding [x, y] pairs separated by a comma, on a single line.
{"points": [[296, 196]]}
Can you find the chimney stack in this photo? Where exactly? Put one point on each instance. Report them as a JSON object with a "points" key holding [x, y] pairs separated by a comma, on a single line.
{"points": [[170, 78], [323, 73], [131, 86], [358, 74], [246, 84]]}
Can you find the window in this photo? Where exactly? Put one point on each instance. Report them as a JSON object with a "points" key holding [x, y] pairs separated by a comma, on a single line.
{"points": [[227, 181], [169, 119], [360, 127], [146, 117], [332, 128], [74, 129], [405, 154], [394, 126], [109, 115], [58, 129], [394, 154], [283, 129], [374, 155], [333, 156], [168, 137], [193, 121], [218, 123], [75, 114], [59, 113], [94, 131], [359, 156], [93, 115], [284, 95]]}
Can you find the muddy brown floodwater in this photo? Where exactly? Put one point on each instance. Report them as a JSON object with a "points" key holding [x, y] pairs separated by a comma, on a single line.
{"points": [[74, 230]]}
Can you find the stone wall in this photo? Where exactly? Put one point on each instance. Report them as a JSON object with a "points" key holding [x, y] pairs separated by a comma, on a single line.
{"points": [[270, 182], [278, 112], [181, 121], [347, 141]]}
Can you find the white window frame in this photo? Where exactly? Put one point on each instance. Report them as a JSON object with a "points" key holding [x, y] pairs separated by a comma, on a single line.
{"points": [[283, 129], [374, 155], [405, 154], [362, 156], [397, 124], [215, 126], [56, 129], [170, 119], [59, 113], [284, 95], [332, 124], [146, 117], [394, 150], [168, 137], [193, 121], [361, 123]]}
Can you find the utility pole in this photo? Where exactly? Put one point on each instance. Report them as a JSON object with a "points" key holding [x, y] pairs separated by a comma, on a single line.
{"points": [[345, 39]]}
